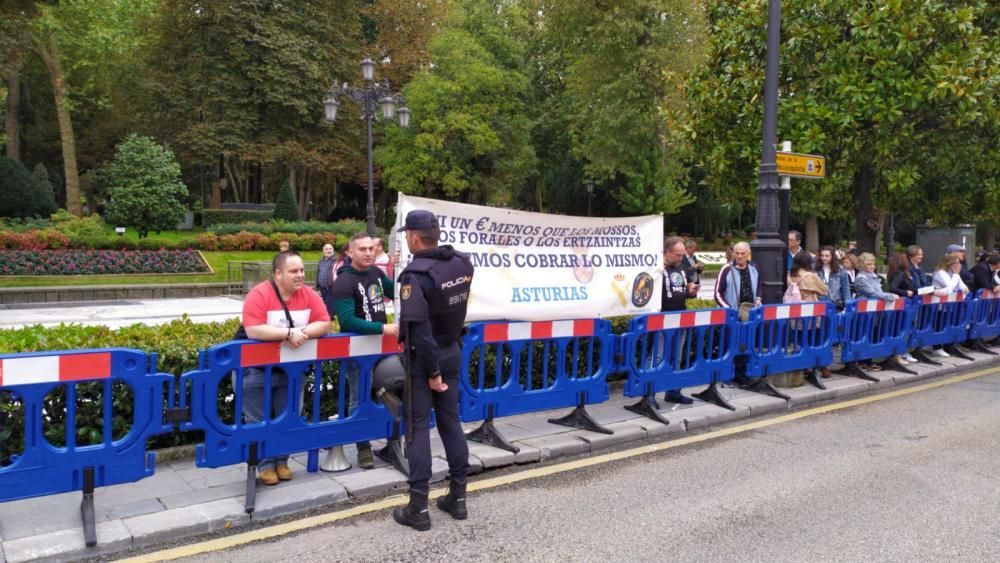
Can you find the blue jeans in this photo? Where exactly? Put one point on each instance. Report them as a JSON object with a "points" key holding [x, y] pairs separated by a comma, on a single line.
{"points": [[253, 404]]}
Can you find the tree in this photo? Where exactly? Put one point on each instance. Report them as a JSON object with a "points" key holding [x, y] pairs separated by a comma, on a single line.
{"points": [[902, 98], [286, 208], [41, 175], [20, 193], [144, 184]]}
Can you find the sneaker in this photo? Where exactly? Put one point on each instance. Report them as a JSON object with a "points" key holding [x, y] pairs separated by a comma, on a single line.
{"points": [[268, 477], [941, 353], [284, 473], [909, 358], [365, 458], [677, 397]]}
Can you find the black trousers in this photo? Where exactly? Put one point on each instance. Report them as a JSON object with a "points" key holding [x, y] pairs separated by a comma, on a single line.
{"points": [[449, 426]]}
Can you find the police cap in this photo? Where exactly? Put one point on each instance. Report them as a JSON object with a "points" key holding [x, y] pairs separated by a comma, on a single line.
{"points": [[420, 220]]}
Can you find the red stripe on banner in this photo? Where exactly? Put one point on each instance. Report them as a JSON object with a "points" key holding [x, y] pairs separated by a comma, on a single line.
{"points": [[959, 297], [260, 354], [76, 367], [794, 311], [687, 320], [771, 313], [390, 344], [719, 317], [819, 309], [928, 299], [333, 348], [583, 327], [495, 332], [541, 329], [654, 323]]}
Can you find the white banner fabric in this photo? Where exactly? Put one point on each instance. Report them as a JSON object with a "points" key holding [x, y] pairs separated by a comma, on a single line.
{"points": [[537, 266]]}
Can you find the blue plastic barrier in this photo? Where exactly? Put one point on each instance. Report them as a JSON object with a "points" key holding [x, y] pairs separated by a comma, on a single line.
{"points": [[873, 328], [43, 468], [783, 338], [985, 322], [667, 351], [229, 442], [940, 321], [571, 360]]}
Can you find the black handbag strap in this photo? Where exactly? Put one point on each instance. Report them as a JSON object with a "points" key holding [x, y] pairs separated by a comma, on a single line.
{"points": [[288, 316]]}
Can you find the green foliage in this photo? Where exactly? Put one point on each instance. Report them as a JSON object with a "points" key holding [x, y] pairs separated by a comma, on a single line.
{"points": [[345, 227], [41, 175], [89, 227], [20, 194], [144, 184], [286, 208], [212, 217]]}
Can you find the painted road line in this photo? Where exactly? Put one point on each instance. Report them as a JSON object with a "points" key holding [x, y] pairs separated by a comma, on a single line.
{"points": [[278, 530]]}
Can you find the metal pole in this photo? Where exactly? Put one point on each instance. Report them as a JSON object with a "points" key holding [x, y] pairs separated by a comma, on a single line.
{"points": [[785, 201], [768, 250], [369, 114]]}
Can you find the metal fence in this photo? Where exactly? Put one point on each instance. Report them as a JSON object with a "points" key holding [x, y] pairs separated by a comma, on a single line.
{"points": [[243, 276]]}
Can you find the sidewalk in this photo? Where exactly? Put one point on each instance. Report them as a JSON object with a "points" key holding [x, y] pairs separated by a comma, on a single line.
{"points": [[181, 500]]}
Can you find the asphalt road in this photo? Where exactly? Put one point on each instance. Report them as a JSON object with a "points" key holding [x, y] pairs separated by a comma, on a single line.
{"points": [[905, 479]]}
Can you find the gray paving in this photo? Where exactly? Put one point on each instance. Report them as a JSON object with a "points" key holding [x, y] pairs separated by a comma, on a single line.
{"points": [[182, 500]]}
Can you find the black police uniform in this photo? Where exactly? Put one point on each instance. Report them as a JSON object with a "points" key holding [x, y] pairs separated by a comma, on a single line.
{"points": [[434, 295]]}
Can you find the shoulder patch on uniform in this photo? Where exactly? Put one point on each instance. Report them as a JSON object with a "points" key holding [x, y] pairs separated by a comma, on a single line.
{"points": [[404, 292]]}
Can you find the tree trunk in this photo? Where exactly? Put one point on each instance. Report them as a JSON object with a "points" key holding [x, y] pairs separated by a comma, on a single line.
{"points": [[812, 234], [12, 123], [864, 210], [49, 54]]}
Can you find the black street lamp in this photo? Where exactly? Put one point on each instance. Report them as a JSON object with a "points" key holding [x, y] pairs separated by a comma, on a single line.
{"points": [[370, 95], [768, 250], [590, 196]]}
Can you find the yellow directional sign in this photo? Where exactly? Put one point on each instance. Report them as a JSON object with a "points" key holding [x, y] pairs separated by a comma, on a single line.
{"points": [[811, 166]]}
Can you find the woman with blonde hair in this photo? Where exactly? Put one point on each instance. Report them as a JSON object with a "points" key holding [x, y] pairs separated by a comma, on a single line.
{"points": [[947, 277]]}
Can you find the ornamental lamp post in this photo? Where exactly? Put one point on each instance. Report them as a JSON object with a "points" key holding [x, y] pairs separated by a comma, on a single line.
{"points": [[373, 94], [768, 249]]}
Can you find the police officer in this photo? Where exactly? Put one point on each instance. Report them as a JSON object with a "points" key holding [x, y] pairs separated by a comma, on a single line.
{"points": [[434, 294]]}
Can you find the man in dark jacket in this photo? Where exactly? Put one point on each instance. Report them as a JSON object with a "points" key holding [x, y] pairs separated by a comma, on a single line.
{"points": [[959, 250], [676, 290], [984, 274]]}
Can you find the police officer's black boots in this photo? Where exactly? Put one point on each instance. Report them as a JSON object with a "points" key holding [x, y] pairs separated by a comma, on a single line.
{"points": [[415, 514], [454, 502]]}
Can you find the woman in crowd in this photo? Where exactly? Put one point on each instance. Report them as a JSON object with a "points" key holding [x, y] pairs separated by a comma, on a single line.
{"points": [[947, 277], [828, 270], [805, 286], [901, 283], [869, 286], [849, 270]]}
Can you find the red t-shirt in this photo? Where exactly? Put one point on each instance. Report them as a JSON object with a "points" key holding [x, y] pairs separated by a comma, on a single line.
{"points": [[262, 307]]}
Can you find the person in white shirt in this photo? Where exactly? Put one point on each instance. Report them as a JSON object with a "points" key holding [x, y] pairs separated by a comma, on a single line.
{"points": [[947, 277]]}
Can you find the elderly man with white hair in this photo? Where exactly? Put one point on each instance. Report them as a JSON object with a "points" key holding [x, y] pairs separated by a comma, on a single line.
{"points": [[738, 283]]}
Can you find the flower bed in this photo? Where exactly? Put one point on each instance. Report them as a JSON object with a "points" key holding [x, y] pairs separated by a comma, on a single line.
{"points": [[97, 262]]}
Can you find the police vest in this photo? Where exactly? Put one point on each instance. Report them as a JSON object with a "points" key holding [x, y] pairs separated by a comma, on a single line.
{"points": [[449, 299]]}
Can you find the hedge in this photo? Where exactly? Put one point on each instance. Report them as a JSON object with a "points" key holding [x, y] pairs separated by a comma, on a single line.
{"points": [[98, 262], [211, 217], [345, 227]]}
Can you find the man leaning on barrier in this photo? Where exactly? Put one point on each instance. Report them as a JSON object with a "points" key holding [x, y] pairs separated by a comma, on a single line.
{"points": [[676, 290], [282, 309], [434, 295]]}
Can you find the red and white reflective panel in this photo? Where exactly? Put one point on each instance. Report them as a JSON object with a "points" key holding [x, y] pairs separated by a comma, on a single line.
{"points": [[329, 348], [55, 369], [989, 295], [797, 311], [950, 298], [877, 305], [505, 332], [688, 319]]}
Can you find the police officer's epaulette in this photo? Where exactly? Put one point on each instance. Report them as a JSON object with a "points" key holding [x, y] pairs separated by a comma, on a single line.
{"points": [[420, 264]]}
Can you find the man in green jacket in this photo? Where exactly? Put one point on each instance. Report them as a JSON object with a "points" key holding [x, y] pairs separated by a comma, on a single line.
{"points": [[359, 301]]}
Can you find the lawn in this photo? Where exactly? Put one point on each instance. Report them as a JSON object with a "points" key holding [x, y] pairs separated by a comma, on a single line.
{"points": [[217, 260]]}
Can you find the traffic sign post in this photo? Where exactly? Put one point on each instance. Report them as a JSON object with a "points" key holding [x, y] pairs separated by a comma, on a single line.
{"points": [[809, 166]]}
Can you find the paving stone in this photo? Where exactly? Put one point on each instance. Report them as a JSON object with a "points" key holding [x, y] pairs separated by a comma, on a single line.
{"points": [[807, 394], [118, 511], [370, 482], [112, 536], [535, 427], [297, 495], [706, 414], [35, 516], [758, 403], [180, 500], [844, 386], [655, 429], [610, 414], [190, 520], [885, 379], [475, 465], [439, 469], [166, 482], [623, 432], [490, 456], [207, 477], [559, 445], [528, 454]]}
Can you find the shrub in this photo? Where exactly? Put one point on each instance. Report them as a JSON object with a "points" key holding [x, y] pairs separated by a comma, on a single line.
{"points": [[20, 193], [210, 217], [144, 184], [91, 226], [345, 227], [96, 262], [41, 175], [286, 207]]}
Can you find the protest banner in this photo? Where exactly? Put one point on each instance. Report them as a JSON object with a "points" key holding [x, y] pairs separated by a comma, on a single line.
{"points": [[537, 266]]}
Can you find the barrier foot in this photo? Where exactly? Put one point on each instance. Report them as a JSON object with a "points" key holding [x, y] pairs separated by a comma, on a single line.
{"points": [[87, 508], [851, 369], [488, 434], [979, 346], [893, 364], [954, 351], [813, 379], [764, 387], [250, 499], [923, 358], [712, 395], [648, 407], [580, 418], [392, 453]]}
